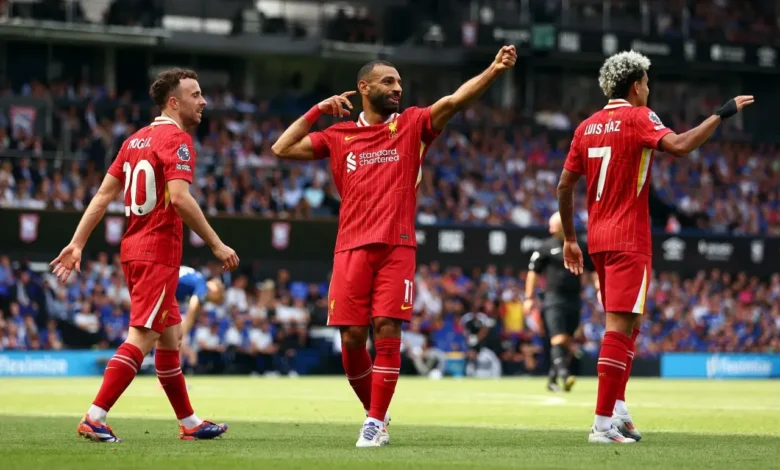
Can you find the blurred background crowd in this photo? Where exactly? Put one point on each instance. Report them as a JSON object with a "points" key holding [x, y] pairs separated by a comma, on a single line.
{"points": [[264, 324], [490, 167], [66, 108]]}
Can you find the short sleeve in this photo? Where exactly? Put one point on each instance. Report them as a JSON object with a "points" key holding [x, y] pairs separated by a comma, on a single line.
{"points": [[427, 133], [201, 289], [538, 261], [178, 157], [321, 144], [117, 166], [574, 161], [649, 127]]}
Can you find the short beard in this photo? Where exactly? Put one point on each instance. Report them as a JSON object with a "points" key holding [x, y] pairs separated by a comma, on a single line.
{"points": [[382, 105]]}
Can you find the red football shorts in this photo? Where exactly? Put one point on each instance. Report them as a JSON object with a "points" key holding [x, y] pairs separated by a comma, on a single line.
{"points": [[152, 289], [372, 281], [624, 277]]}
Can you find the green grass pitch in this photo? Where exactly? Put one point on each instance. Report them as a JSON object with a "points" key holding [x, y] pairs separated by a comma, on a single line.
{"points": [[312, 423]]}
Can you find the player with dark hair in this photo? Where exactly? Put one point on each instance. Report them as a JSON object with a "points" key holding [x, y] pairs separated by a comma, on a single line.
{"points": [[377, 164], [614, 150], [154, 168]]}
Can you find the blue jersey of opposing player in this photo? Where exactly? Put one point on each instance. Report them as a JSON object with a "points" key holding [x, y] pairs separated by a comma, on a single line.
{"points": [[191, 283]]}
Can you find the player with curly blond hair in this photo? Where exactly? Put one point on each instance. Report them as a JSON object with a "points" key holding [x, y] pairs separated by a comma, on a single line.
{"points": [[614, 150]]}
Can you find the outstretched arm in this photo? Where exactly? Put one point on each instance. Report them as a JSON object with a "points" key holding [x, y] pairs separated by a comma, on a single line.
{"points": [[295, 143], [683, 144], [109, 190], [444, 109], [70, 256]]}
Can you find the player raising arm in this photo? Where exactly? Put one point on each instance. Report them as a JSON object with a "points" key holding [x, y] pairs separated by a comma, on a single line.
{"points": [[614, 150], [154, 168], [377, 164]]}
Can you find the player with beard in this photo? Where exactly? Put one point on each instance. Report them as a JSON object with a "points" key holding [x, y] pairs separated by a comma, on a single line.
{"points": [[154, 168], [377, 164]]}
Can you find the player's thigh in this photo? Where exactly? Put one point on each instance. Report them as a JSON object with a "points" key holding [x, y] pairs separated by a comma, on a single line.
{"points": [[599, 260], [153, 296], [393, 295], [626, 281], [349, 294]]}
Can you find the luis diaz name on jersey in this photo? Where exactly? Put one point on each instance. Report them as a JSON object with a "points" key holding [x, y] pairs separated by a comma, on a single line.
{"points": [[371, 158], [603, 128]]}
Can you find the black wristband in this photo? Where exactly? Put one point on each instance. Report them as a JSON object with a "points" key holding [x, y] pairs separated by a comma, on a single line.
{"points": [[727, 110]]}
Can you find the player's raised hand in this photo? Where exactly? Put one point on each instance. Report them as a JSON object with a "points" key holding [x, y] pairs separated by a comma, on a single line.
{"points": [[743, 100], [572, 257], [733, 106], [68, 260], [506, 58], [227, 256], [337, 105]]}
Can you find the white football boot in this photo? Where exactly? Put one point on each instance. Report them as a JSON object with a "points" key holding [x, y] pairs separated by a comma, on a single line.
{"points": [[387, 423], [610, 436], [626, 427], [373, 434]]}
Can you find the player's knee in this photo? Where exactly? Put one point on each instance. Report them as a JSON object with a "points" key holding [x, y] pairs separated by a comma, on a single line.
{"points": [[142, 338], [385, 327], [621, 322], [354, 337]]}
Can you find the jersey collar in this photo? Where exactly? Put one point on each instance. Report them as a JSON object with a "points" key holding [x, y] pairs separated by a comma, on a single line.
{"points": [[612, 104], [161, 120], [361, 122]]}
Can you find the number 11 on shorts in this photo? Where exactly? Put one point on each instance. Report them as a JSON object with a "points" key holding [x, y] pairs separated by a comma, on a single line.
{"points": [[408, 291]]}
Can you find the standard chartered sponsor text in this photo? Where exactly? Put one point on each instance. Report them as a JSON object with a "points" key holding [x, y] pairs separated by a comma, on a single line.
{"points": [[380, 156]]}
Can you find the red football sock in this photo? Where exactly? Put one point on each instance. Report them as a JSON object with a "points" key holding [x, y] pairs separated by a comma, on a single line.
{"points": [[120, 371], [357, 366], [168, 366], [387, 367], [629, 362], [611, 369]]}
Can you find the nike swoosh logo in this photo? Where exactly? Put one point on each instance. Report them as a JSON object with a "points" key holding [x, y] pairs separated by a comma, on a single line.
{"points": [[396, 380], [555, 251], [349, 137], [405, 307]]}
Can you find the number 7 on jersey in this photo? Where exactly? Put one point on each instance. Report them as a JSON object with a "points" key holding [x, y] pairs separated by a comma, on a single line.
{"points": [[605, 153]]}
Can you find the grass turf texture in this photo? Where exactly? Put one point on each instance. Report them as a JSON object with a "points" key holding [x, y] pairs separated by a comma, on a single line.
{"points": [[313, 423]]}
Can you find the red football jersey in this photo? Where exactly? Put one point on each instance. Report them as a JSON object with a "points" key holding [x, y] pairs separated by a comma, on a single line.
{"points": [[376, 169], [147, 160], [614, 150]]}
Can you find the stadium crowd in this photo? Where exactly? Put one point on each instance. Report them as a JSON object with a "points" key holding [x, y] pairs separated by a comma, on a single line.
{"points": [[504, 172], [264, 323]]}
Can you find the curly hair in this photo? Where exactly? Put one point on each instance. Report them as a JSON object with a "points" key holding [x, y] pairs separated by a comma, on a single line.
{"points": [[620, 71], [166, 83]]}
